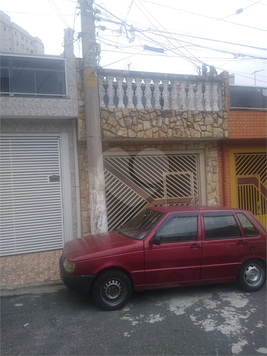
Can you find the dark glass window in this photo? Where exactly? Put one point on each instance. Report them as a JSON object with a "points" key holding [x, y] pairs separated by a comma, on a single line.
{"points": [[5, 80], [178, 229], [141, 224], [248, 227], [221, 227], [248, 97], [33, 76], [49, 82], [23, 81]]}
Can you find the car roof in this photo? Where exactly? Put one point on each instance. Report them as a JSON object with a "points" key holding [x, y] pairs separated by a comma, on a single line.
{"points": [[189, 208]]}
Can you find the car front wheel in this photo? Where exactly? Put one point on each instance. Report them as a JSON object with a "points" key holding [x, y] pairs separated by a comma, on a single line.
{"points": [[112, 290], [252, 275]]}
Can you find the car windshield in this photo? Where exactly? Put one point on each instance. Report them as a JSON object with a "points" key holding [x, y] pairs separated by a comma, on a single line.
{"points": [[141, 224]]}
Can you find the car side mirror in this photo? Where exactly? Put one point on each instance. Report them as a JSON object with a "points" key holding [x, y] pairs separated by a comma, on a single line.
{"points": [[156, 240]]}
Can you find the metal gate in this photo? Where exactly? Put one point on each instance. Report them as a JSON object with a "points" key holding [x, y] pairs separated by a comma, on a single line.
{"points": [[249, 186], [31, 201], [134, 182]]}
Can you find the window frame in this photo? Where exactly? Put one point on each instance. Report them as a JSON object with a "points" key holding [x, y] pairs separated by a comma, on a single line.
{"points": [[177, 239], [217, 215], [56, 68], [240, 213]]}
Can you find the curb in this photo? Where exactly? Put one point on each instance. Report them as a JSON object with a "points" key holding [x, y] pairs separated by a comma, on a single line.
{"points": [[32, 288]]}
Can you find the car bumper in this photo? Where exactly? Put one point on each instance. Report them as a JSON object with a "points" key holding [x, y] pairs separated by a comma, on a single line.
{"points": [[80, 283]]}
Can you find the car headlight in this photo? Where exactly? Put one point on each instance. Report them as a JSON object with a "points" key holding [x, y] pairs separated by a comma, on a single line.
{"points": [[68, 266]]}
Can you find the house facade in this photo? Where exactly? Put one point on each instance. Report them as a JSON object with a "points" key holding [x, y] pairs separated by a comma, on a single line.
{"points": [[40, 198], [160, 141], [243, 165], [167, 139]]}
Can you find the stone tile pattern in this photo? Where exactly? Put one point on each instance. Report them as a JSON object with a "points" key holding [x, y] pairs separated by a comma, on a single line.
{"points": [[29, 268], [158, 124]]}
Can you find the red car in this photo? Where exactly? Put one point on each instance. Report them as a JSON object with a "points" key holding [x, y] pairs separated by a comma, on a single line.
{"points": [[167, 247]]}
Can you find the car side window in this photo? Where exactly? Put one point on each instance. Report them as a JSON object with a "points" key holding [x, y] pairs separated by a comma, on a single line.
{"points": [[248, 227], [179, 229], [221, 227]]}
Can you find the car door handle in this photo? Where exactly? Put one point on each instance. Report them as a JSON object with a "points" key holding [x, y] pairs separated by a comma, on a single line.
{"points": [[196, 246], [242, 242]]}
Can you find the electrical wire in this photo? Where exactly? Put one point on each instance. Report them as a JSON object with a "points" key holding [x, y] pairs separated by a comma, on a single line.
{"points": [[57, 11], [202, 15], [143, 34], [223, 18]]}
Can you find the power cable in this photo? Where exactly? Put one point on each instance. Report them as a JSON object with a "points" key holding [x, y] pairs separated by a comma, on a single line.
{"points": [[182, 54], [210, 17], [57, 11], [223, 18]]}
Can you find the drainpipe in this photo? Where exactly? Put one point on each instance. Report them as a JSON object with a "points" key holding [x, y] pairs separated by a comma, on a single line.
{"points": [[97, 197]]}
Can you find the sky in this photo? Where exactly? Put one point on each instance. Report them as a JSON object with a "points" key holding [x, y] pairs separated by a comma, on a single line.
{"points": [[229, 35]]}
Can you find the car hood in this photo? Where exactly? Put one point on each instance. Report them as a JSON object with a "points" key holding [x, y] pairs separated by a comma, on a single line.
{"points": [[100, 245]]}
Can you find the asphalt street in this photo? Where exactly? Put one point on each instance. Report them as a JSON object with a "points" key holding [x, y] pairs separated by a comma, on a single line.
{"points": [[206, 320]]}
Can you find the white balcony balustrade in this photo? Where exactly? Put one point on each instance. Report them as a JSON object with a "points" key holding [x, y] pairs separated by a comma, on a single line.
{"points": [[118, 89]]}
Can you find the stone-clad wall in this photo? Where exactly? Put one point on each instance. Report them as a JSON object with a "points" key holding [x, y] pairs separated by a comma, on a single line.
{"points": [[163, 124], [132, 123]]}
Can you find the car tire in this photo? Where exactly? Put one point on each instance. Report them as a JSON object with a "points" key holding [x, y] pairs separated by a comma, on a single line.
{"points": [[112, 290], [252, 275]]}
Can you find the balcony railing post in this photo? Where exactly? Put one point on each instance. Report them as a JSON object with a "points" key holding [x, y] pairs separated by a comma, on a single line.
{"points": [[191, 97], [199, 97], [157, 95], [207, 97], [139, 94], [166, 95], [215, 97], [110, 92], [120, 93], [174, 96]]}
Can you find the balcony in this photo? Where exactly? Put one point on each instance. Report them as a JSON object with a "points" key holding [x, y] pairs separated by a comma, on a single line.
{"points": [[142, 105], [144, 90]]}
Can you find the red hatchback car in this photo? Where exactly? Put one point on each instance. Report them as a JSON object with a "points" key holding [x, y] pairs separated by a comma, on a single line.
{"points": [[167, 247]]}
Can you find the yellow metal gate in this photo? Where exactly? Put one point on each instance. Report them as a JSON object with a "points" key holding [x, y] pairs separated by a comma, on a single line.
{"points": [[249, 182]]}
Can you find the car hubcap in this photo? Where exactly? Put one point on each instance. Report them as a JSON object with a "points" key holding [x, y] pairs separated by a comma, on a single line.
{"points": [[253, 275], [112, 292]]}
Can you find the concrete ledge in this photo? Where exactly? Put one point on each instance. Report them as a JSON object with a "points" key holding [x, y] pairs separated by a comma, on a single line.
{"points": [[32, 288]]}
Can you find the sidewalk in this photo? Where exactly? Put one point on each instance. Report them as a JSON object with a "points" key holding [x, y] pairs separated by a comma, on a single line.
{"points": [[33, 288]]}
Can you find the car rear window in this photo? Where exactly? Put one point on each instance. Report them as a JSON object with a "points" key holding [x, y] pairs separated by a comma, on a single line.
{"points": [[248, 227], [221, 227]]}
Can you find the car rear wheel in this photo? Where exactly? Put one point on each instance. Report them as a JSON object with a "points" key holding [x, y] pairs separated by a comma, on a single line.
{"points": [[112, 290], [252, 275]]}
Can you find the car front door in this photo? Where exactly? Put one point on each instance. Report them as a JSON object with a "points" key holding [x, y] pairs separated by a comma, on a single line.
{"points": [[224, 247], [173, 254]]}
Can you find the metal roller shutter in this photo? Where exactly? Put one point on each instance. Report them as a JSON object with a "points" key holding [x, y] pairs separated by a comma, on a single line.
{"points": [[30, 191]]}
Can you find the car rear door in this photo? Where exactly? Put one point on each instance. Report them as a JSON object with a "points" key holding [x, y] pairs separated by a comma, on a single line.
{"points": [[173, 253], [224, 247]]}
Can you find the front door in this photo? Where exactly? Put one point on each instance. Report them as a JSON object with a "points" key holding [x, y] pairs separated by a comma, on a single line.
{"points": [[175, 254]]}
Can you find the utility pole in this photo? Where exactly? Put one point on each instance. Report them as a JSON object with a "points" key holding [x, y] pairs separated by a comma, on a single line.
{"points": [[97, 197]]}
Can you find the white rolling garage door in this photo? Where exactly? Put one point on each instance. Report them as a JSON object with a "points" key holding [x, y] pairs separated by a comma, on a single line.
{"points": [[30, 190]]}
